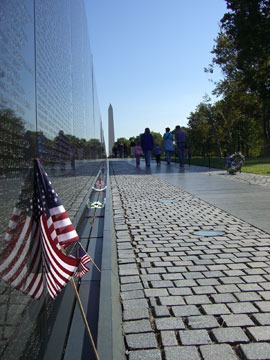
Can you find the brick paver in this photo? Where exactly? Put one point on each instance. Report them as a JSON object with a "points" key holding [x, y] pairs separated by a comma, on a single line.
{"points": [[204, 297], [254, 179]]}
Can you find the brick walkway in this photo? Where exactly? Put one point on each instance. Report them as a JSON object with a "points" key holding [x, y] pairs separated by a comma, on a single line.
{"points": [[253, 179], [186, 296]]}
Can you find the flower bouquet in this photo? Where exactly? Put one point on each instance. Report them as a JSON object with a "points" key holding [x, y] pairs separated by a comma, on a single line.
{"points": [[235, 162]]}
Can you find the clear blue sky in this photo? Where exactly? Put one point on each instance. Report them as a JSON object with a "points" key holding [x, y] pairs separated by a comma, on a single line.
{"points": [[149, 58]]}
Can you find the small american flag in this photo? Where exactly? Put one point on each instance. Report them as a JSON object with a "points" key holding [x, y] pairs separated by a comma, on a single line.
{"points": [[84, 259], [38, 228]]}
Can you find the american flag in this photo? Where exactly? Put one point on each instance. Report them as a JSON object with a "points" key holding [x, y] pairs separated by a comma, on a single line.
{"points": [[39, 227], [84, 259]]}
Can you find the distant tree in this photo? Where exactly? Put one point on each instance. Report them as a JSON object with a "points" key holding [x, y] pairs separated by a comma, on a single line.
{"points": [[157, 138], [93, 149], [18, 146], [199, 131], [123, 140], [243, 53], [73, 140]]}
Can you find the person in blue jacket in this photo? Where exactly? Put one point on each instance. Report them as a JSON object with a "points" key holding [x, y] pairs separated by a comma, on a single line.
{"points": [[147, 144], [168, 144]]}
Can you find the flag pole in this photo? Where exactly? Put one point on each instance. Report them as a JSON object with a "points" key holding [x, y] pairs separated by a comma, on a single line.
{"points": [[84, 318], [83, 313]]}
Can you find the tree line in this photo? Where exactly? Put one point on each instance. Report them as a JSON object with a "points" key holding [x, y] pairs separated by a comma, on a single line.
{"points": [[240, 119], [19, 145]]}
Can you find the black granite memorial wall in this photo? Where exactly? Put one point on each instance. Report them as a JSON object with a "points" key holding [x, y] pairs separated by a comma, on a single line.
{"points": [[48, 109]]}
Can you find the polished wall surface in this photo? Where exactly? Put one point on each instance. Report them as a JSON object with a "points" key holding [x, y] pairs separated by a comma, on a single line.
{"points": [[54, 67], [48, 109], [17, 82]]}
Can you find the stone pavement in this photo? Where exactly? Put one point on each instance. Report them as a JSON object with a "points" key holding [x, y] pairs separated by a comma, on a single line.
{"points": [[186, 296], [244, 195], [252, 179]]}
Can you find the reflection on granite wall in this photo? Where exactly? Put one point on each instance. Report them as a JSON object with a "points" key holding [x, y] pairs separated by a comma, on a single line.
{"points": [[48, 109], [53, 67]]}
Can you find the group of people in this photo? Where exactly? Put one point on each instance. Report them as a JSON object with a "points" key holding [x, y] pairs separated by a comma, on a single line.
{"points": [[147, 146], [120, 149]]}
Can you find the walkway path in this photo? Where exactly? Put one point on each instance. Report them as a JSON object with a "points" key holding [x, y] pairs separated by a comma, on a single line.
{"points": [[186, 296], [244, 195]]}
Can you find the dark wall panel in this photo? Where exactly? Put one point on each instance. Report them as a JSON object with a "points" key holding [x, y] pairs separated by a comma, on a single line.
{"points": [[48, 109]]}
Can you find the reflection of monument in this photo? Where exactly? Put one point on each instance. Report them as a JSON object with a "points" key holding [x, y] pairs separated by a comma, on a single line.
{"points": [[110, 129]]}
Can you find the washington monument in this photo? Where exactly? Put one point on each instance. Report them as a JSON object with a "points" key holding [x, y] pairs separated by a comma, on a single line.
{"points": [[110, 129]]}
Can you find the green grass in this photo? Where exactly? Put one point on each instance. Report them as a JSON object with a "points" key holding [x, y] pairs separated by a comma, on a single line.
{"points": [[262, 169], [251, 165]]}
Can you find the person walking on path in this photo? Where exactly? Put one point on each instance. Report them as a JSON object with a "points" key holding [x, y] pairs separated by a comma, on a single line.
{"points": [[125, 147], [157, 152], [181, 139], [168, 144], [147, 143], [120, 148], [114, 150], [137, 151], [132, 145]]}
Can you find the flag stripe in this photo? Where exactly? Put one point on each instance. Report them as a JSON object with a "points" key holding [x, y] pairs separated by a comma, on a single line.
{"points": [[84, 259], [20, 267], [57, 210], [28, 273], [59, 267], [67, 238], [34, 284], [51, 287], [62, 223], [34, 277], [36, 287], [14, 221], [64, 260], [81, 273], [14, 250], [54, 266], [18, 263], [65, 231], [84, 267]]}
